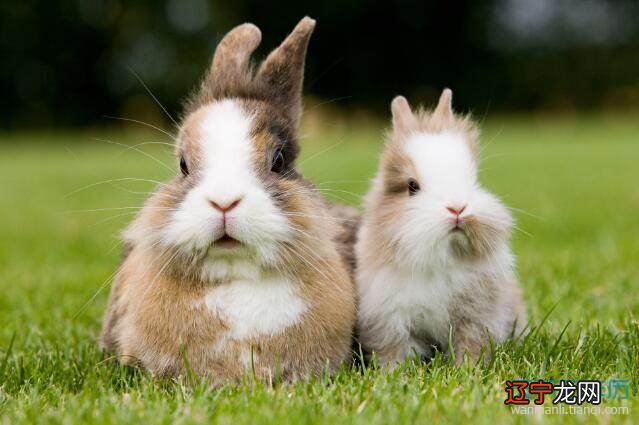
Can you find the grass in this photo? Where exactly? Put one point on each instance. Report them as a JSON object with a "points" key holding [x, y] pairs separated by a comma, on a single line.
{"points": [[574, 183]]}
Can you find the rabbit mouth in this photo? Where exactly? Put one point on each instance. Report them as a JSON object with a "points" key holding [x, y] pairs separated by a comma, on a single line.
{"points": [[227, 242], [458, 230], [458, 234]]}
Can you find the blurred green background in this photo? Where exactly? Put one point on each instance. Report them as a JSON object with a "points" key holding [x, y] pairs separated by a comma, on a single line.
{"points": [[69, 63], [554, 85]]}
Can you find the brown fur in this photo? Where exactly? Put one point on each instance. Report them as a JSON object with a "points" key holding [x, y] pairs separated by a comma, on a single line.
{"points": [[384, 205], [157, 315], [163, 323], [348, 219], [472, 312]]}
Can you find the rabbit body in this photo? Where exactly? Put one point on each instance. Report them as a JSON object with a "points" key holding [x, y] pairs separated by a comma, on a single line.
{"points": [[234, 266], [434, 266]]}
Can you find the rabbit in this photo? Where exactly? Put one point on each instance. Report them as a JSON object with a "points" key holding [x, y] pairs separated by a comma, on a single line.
{"points": [[233, 267], [434, 265]]}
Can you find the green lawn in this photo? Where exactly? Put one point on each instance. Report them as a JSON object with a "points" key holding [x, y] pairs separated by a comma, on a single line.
{"points": [[575, 186]]}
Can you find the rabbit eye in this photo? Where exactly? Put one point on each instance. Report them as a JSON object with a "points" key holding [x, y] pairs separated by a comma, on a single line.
{"points": [[413, 187], [277, 166], [183, 167]]}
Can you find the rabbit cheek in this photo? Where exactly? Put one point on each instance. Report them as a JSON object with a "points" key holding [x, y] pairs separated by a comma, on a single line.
{"points": [[485, 229]]}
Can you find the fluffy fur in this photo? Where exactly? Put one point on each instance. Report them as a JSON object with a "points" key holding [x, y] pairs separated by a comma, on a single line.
{"points": [[234, 265], [423, 274]]}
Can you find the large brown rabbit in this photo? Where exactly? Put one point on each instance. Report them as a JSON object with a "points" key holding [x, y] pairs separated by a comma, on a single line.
{"points": [[234, 264]]}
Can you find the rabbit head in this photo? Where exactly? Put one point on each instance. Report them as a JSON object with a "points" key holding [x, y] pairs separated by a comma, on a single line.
{"points": [[427, 204], [237, 206]]}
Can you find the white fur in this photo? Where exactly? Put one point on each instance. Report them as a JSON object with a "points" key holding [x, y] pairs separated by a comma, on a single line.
{"points": [[254, 309], [444, 164], [396, 304], [409, 298], [447, 174], [228, 175]]}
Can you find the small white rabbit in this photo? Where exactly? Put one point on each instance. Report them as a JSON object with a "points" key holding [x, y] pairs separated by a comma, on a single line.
{"points": [[433, 258]]}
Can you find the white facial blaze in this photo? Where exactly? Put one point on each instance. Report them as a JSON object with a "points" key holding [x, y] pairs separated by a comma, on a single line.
{"points": [[227, 175], [445, 166]]}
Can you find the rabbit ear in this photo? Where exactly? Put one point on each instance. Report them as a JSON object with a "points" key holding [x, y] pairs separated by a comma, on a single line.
{"points": [[403, 117], [230, 67], [281, 75], [444, 109]]}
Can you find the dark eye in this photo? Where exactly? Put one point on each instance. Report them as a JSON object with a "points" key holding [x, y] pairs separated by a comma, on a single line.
{"points": [[277, 166], [183, 167], [413, 187]]}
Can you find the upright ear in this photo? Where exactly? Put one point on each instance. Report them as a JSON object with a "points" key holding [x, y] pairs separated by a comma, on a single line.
{"points": [[444, 109], [403, 118], [281, 76], [229, 69]]}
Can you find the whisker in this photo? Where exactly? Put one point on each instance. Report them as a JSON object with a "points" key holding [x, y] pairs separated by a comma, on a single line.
{"points": [[519, 210], [326, 102], [308, 262], [171, 136], [89, 186], [498, 155], [95, 295], [120, 208], [171, 145], [328, 217], [166, 264], [341, 181], [148, 155], [146, 195], [105, 220], [517, 228], [153, 96], [323, 151]]}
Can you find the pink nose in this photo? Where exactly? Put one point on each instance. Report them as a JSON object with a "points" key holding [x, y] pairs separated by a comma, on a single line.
{"points": [[224, 208], [456, 210]]}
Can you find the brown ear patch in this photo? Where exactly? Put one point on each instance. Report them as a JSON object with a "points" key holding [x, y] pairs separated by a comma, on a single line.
{"points": [[288, 59], [273, 95], [281, 75], [231, 59], [230, 73], [278, 79]]}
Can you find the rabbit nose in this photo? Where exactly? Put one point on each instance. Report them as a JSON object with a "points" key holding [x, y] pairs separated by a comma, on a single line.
{"points": [[456, 211], [225, 207]]}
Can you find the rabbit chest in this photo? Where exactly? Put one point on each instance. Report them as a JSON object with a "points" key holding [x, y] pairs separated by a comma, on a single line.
{"points": [[419, 304], [252, 309]]}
